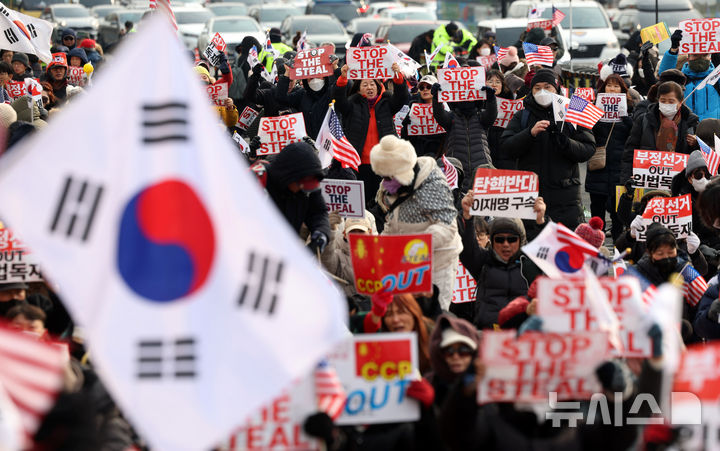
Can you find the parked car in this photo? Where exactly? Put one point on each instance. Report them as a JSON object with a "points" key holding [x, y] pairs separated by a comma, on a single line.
{"points": [[190, 21], [233, 30], [344, 11], [409, 13], [109, 29], [271, 15], [507, 32], [101, 11], [228, 9], [36, 8], [76, 17], [247, 3], [374, 9], [320, 28], [643, 15], [401, 32], [365, 25]]}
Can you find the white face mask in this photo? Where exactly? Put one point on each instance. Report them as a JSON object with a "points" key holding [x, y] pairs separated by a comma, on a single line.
{"points": [[316, 84], [484, 51], [699, 185], [668, 109], [543, 98], [641, 73]]}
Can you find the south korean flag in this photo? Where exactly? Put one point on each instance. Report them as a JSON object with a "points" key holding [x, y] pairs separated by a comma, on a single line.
{"points": [[198, 302]]}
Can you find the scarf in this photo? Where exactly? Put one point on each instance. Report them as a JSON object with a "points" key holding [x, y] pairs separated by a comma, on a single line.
{"points": [[666, 138]]}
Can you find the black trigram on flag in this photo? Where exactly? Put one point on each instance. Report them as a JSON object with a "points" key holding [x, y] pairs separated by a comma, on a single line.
{"points": [[164, 122], [262, 284], [10, 35], [543, 252], [174, 358], [31, 29], [76, 209]]}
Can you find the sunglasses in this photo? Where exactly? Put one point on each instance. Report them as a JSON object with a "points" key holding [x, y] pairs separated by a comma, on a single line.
{"points": [[68, 38], [700, 173], [462, 351], [502, 239], [423, 88]]}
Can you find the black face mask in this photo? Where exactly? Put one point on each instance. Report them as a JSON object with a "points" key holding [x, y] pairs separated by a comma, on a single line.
{"points": [[666, 266]]}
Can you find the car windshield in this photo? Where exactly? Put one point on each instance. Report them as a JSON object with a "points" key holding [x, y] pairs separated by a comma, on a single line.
{"points": [[71, 12], [232, 10], [672, 18], [345, 12], [235, 26], [277, 14], [39, 4], [317, 26], [186, 17], [406, 33], [104, 12], [91, 3], [508, 36], [583, 17], [368, 26]]}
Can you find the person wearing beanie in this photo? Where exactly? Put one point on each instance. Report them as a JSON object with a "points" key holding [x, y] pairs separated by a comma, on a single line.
{"points": [[77, 57], [443, 37], [513, 69], [467, 124], [69, 38], [661, 258], [367, 111], [6, 74], [705, 102], [592, 232], [549, 150], [293, 183], [426, 144], [496, 270], [8, 115], [415, 198], [21, 67], [56, 75], [93, 51]]}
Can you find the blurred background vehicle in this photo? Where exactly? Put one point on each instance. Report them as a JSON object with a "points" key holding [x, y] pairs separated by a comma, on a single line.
{"points": [[228, 9], [233, 30], [320, 28], [272, 14], [72, 16]]}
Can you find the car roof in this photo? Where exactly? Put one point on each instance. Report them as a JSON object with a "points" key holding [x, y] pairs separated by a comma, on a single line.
{"points": [[314, 17], [510, 22], [229, 18], [220, 4]]}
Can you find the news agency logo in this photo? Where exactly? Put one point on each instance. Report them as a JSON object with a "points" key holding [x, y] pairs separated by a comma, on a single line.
{"points": [[685, 409]]}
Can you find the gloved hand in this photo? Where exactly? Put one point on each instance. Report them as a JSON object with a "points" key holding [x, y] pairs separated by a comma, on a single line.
{"points": [[255, 143], [335, 220], [318, 241], [258, 70], [655, 334], [611, 376], [310, 141], [675, 39], [421, 390], [489, 92], [320, 425], [533, 323], [630, 187], [713, 313], [693, 242], [435, 89], [635, 226], [280, 64], [561, 140], [380, 302], [223, 63]]}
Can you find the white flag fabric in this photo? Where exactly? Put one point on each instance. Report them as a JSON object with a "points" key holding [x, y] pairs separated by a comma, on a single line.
{"points": [[323, 142], [26, 34], [711, 79], [198, 301], [560, 104], [408, 66]]}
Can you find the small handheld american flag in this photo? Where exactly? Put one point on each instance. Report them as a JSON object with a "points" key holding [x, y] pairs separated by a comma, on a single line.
{"points": [[450, 173], [712, 159], [695, 285], [332, 139], [557, 16], [329, 391], [538, 55], [583, 113], [501, 52]]}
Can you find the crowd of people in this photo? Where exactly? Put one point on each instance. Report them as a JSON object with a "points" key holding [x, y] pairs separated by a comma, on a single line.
{"points": [[407, 192]]}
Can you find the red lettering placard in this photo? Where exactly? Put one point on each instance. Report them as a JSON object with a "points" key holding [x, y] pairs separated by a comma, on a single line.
{"points": [[461, 84], [312, 63], [277, 132]]}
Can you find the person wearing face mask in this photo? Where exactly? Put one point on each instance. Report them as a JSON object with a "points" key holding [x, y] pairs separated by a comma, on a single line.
{"points": [[481, 48], [11, 295], [549, 150], [668, 126], [467, 125], [425, 145], [415, 198], [704, 102], [496, 80], [497, 270], [293, 183], [367, 114]]}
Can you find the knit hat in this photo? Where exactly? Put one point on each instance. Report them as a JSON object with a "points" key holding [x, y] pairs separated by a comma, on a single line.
{"points": [[69, 32], [58, 59], [592, 231], [654, 231], [545, 76], [13, 286], [618, 65], [294, 162], [21, 58], [394, 157], [673, 75], [504, 225], [8, 115], [80, 53], [707, 129], [510, 57], [87, 44], [450, 336], [275, 35], [201, 71], [535, 35], [548, 41], [695, 160]]}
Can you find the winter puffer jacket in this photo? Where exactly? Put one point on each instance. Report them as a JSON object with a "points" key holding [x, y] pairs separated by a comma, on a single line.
{"points": [[425, 145], [644, 136], [703, 326], [356, 112], [704, 102], [603, 181], [708, 236], [499, 159], [313, 105], [556, 166], [498, 282], [466, 125], [294, 162]]}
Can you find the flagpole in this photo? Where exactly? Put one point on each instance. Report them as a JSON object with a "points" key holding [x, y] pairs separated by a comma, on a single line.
{"points": [[570, 44]]}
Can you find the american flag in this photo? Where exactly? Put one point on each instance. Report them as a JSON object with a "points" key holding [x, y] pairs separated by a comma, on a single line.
{"points": [[500, 52], [557, 16], [570, 238], [329, 391], [695, 285], [302, 42], [583, 113], [450, 173], [712, 159], [536, 55], [341, 149], [164, 7], [31, 372]]}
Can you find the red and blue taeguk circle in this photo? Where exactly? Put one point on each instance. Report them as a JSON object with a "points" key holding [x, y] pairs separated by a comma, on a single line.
{"points": [[568, 259], [166, 245]]}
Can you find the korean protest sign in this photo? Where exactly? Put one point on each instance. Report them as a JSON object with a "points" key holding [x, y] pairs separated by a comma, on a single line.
{"points": [[507, 193], [655, 169], [214, 48], [218, 92], [277, 132], [17, 263], [675, 213]]}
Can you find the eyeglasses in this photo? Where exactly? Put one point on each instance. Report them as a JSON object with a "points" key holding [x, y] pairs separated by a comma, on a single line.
{"points": [[501, 239], [700, 173], [423, 88], [462, 351]]}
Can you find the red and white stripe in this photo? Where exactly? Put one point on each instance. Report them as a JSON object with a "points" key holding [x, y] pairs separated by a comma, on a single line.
{"points": [[164, 7], [329, 391], [451, 174], [501, 52], [583, 113], [695, 285], [31, 372], [343, 151], [570, 238], [557, 16]]}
